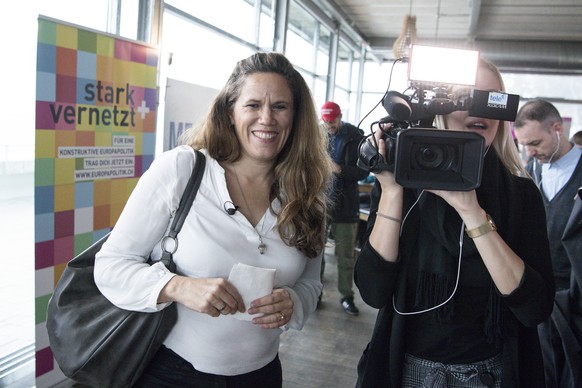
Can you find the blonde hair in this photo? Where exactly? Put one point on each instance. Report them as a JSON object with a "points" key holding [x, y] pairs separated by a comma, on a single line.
{"points": [[503, 142], [303, 168]]}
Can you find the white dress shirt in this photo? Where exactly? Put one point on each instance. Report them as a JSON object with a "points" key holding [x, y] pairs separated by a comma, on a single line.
{"points": [[555, 175]]}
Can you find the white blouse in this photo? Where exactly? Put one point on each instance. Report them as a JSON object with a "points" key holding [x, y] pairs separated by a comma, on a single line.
{"points": [[209, 244]]}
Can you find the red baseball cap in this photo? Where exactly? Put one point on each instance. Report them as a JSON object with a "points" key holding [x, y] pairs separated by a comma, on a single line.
{"points": [[330, 111]]}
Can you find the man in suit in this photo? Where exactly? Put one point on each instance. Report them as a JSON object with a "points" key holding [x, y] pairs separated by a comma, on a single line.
{"points": [[556, 166]]}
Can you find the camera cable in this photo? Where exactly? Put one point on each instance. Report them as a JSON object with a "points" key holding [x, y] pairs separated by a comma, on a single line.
{"points": [[461, 237]]}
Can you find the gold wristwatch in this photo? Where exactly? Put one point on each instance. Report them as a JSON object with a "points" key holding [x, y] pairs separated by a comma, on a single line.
{"points": [[482, 229]]}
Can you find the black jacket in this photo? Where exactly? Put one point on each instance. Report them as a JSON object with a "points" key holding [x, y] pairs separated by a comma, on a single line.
{"points": [[564, 214], [345, 196], [522, 225], [567, 314], [558, 211]]}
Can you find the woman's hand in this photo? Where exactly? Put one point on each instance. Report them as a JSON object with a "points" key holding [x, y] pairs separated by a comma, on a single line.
{"points": [[385, 234], [212, 296], [386, 178], [464, 202], [504, 266], [277, 308]]}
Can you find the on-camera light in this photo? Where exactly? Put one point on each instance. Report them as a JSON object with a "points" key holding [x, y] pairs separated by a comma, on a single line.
{"points": [[430, 64]]}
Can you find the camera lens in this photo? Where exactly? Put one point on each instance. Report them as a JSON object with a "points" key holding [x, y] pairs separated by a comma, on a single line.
{"points": [[433, 157]]}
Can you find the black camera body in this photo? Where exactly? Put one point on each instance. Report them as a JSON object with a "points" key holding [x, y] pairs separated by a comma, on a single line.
{"points": [[427, 158], [424, 158]]}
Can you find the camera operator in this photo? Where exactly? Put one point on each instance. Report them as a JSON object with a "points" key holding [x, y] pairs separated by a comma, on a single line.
{"points": [[461, 278]]}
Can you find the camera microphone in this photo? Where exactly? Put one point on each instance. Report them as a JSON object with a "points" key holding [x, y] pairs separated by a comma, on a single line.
{"points": [[494, 105], [231, 209]]}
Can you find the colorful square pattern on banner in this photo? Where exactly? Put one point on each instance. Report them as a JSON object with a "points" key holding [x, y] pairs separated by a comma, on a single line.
{"points": [[95, 135]]}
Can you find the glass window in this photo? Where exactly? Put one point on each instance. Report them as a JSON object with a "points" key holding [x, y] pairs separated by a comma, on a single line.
{"points": [[233, 16], [319, 93], [355, 74], [557, 89], [199, 56], [300, 37], [129, 19], [267, 27], [299, 51], [371, 111], [91, 14], [323, 51], [344, 66], [342, 93]]}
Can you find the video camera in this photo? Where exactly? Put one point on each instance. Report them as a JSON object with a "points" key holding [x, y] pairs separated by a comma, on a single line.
{"points": [[424, 157]]}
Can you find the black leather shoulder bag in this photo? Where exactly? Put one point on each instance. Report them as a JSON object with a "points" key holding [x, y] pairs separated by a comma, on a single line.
{"points": [[96, 343]]}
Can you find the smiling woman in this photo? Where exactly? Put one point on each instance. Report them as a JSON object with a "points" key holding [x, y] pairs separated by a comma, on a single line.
{"points": [[267, 158]]}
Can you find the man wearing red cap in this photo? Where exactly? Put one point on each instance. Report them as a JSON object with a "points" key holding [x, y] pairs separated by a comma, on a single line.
{"points": [[344, 140]]}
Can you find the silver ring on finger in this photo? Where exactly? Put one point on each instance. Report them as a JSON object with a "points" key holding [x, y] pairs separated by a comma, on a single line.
{"points": [[222, 308]]}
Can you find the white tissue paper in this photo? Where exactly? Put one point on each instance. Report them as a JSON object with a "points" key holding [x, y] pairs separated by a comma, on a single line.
{"points": [[252, 283]]}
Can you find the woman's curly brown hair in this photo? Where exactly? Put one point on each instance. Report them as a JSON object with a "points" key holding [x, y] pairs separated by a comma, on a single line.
{"points": [[303, 168]]}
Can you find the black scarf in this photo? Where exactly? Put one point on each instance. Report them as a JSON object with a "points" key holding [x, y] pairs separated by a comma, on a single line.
{"points": [[432, 236]]}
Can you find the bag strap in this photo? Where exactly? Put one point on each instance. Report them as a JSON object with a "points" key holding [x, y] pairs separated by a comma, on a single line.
{"points": [[183, 208]]}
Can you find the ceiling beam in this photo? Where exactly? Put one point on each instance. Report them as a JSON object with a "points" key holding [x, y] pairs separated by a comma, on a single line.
{"points": [[474, 18], [531, 56]]}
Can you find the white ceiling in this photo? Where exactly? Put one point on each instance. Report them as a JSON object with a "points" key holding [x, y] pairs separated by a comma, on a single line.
{"points": [[520, 34]]}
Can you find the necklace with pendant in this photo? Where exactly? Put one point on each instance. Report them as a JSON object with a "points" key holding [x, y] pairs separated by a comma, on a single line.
{"points": [[262, 246]]}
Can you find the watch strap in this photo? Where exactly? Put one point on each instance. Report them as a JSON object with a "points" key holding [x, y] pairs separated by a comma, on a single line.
{"points": [[482, 229]]}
